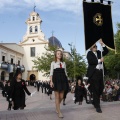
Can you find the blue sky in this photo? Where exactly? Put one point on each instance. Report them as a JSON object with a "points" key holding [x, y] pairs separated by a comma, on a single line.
{"points": [[64, 17]]}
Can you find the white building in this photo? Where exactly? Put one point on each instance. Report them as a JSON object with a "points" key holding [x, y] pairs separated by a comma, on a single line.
{"points": [[28, 49], [11, 56], [33, 45]]}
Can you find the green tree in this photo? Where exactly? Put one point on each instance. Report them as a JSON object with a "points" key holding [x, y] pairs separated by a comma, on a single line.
{"points": [[42, 63], [117, 39], [112, 60], [76, 66]]}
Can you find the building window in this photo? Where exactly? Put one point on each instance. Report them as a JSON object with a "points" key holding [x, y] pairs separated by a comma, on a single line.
{"points": [[36, 29], [30, 29], [3, 58], [2, 75], [32, 51], [33, 18], [18, 62], [11, 60]]}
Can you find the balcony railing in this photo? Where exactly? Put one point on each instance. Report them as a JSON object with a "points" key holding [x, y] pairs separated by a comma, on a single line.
{"points": [[11, 67]]}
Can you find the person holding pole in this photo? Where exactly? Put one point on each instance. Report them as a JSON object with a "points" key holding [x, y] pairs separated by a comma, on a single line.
{"points": [[95, 73]]}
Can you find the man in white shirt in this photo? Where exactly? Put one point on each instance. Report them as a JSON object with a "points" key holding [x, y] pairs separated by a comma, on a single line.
{"points": [[95, 73]]}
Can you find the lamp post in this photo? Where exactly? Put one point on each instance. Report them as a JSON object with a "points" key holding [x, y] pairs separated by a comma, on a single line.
{"points": [[73, 57]]}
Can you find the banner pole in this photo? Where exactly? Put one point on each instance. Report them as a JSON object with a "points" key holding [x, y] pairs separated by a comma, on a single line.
{"points": [[102, 63]]}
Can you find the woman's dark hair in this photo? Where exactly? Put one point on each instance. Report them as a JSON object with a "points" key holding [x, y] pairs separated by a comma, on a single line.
{"points": [[17, 73], [13, 81], [56, 56], [79, 78]]}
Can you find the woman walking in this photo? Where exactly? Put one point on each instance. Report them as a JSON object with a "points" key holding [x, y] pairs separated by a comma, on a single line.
{"points": [[58, 77], [18, 89]]}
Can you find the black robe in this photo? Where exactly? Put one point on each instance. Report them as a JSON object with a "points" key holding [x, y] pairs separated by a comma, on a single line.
{"points": [[79, 93], [18, 90]]}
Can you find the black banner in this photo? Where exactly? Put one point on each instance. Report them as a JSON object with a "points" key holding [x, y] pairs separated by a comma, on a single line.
{"points": [[98, 24]]}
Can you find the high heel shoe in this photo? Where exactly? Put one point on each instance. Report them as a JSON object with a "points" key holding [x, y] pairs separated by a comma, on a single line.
{"points": [[60, 115]]}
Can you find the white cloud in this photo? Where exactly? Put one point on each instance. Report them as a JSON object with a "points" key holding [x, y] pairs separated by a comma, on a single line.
{"points": [[45, 5], [74, 6]]}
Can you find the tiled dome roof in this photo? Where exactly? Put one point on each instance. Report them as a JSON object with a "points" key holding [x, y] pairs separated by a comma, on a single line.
{"points": [[53, 41]]}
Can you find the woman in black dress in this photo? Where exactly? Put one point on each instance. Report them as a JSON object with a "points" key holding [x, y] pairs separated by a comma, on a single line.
{"points": [[18, 89], [79, 92], [58, 77]]}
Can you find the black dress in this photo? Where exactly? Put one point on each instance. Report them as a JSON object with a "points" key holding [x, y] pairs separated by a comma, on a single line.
{"points": [[18, 94], [59, 76], [79, 93], [60, 80]]}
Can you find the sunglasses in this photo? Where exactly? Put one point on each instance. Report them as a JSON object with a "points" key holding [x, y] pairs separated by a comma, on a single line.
{"points": [[95, 46]]}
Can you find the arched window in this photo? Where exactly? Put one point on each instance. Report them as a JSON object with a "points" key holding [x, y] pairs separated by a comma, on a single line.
{"points": [[33, 18], [36, 29], [30, 29]]}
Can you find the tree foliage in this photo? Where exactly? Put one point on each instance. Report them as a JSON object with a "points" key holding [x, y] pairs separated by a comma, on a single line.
{"points": [[42, 63], [112, 60], [76, 66]]}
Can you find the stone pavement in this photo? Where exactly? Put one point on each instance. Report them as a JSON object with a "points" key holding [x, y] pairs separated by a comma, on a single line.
{"points": [[40, 107]]}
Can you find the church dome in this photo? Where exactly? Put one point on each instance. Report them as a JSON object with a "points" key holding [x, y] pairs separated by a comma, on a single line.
{"points": [[53, 41]]}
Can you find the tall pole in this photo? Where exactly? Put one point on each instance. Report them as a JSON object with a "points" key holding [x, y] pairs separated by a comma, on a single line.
{"points": [[102, 64], [34, 7], [74, 62]]}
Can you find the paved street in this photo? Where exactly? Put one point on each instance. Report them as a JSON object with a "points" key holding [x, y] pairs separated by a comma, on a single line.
{"points": [[40, 107]]}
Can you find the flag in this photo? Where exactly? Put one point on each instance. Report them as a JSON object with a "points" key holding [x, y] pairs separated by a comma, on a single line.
{"points": [[97, 24], [107, 31]]}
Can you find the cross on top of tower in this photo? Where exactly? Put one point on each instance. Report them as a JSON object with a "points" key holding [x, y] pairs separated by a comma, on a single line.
{"points": [[34, 7], [52, 33]]}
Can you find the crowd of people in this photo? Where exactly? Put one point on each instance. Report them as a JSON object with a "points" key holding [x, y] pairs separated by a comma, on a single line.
{"points": [[80, 90], [93, 90], [111, 91]]}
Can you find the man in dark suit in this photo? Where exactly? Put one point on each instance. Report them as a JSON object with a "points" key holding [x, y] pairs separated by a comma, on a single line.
{"points": [[38, 85], [95, 73], [42, 86]]}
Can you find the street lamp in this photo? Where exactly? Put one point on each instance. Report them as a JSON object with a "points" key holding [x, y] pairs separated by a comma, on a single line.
{"points": [[73, 57]]}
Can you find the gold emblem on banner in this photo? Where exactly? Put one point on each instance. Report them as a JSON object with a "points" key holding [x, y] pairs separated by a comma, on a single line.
{"points": [[97, 19]]}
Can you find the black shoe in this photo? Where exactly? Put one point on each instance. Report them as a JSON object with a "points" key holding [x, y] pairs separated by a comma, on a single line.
{"points": [[80, 103], [88, 102], [98, 110], [64, 104]]}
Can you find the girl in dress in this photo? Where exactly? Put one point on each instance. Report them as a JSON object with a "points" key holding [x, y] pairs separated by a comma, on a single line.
{"points": [[58, 77], [79, 92], [18, 89]]}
